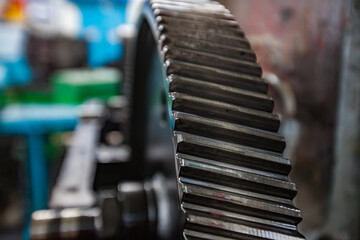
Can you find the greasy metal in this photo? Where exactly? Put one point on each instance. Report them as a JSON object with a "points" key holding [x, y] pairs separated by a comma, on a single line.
{"points": [[232, 178]]}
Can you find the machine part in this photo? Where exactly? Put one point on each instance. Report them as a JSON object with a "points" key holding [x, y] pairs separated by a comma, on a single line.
{"points": [[107, 223], [290, 127], [72, 188], [111, 166], [286, 95], [198, 91], [113, 154], [69, 223], [137, 207], [137, 210], [201, 119], [127, 34], [73, 198]]}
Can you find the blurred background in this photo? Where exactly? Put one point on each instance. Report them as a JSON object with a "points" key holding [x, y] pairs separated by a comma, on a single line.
{"points": [[56, 54]]}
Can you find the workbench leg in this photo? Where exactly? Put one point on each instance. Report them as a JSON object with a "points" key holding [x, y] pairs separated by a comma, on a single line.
{"points": [[38, 177]]}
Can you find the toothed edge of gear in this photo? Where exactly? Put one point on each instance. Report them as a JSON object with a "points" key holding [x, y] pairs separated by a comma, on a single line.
{"points": [[233, 179]]}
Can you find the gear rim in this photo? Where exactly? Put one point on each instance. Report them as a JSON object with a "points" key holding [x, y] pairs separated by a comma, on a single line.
{"points": [[164, 19]]}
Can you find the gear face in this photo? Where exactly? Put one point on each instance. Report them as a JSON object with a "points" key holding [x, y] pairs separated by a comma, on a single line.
{"points": [[232, 178]]}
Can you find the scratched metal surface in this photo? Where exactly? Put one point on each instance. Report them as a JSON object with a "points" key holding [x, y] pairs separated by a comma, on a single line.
{"points": [[301, 41]]}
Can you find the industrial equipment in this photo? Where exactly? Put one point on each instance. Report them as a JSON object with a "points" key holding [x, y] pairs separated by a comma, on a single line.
{"points": [[191, 151]]}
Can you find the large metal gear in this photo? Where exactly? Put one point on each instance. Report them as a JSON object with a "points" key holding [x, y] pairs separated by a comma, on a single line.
{"points": [[205, 161], [196, 71]]}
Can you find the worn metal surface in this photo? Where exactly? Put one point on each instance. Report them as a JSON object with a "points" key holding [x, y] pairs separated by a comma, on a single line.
{"points": [[233, 179]]}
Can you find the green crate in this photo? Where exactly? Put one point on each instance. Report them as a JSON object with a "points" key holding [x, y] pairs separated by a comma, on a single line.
{"points": [[78, 85]]}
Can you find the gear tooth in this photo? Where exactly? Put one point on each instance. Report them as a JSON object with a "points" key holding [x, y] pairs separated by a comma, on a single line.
{"points": [[204, 170], [229, 132], [223, 27], [163, 40], [179, 31], [236, 155], [215, 61], [237, 217], [159, 19], [156, 11], [236, 191], [199, 198], [220, 93], [174, 10], [206, 6], [195, 235], [222, 111], [210, 47], [222, 78], [209, 18], [165, 51], [161, 29], [209, 225]]}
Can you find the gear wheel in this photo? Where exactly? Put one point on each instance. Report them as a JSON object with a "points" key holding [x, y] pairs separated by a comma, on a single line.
{"points": [[232, 178]]}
